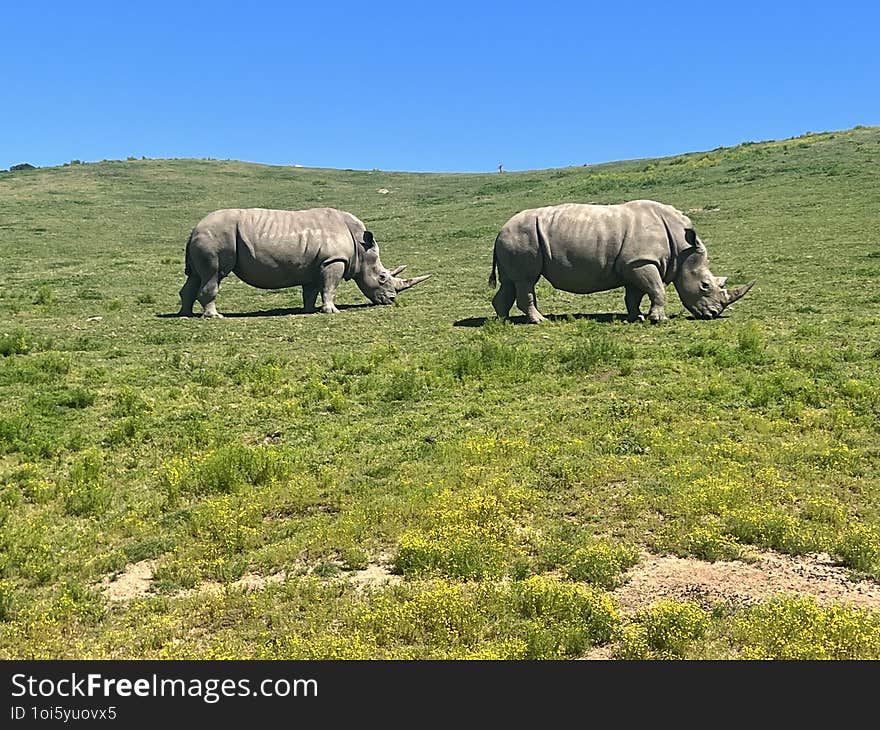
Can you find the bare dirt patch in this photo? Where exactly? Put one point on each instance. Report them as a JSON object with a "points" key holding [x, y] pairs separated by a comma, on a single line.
{"points": [[136, 581], [133, 582], [658, 577], [374, 575], [247, 582]]}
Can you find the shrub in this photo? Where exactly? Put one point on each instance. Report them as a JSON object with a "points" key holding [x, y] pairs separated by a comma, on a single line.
{"points": [[764, 526], [664, 631], [563, 619], [859, 548], [601, 564], [798, 628], [31, 483], [228, 524], [708, 544]]}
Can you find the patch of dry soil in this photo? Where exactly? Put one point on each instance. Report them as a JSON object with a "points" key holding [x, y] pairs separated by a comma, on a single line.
{"points": [[373, 576], [136, 580], [658, 577], [133, 582]]}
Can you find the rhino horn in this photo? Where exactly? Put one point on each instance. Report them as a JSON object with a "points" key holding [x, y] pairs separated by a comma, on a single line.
{"points": [[396, 271], [738, 293], [401, 284]]}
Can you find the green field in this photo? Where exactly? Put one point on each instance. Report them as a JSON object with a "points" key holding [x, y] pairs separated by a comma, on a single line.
{"points": [[420, 480]]}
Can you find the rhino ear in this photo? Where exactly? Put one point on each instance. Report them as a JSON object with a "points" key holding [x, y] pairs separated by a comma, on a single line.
{"points": [[690, 235], [369, 241]]}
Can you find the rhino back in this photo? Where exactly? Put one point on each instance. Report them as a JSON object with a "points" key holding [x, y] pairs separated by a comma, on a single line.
{"points": [[282, 248], [593, 246]]}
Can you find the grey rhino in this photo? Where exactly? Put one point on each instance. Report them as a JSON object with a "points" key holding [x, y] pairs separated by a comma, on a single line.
{"points": [[275, 249], [641, 245]]}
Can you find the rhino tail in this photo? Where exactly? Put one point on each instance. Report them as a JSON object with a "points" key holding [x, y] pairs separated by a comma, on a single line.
{"points": [[492, 280], [543, 246], [187, 266]]}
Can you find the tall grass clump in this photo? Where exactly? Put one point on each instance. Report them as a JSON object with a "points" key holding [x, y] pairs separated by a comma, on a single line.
{"points": [[86, 491], [488, 357], [224, 470], [597, 349], [17, 342]]}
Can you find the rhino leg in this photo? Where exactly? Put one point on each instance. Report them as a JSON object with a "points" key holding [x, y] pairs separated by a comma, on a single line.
{"points": [[504, 298], [331, 275], [207, 294], [310, 298], [527, 302], [646, 278], [633, 299], [188, 293]]}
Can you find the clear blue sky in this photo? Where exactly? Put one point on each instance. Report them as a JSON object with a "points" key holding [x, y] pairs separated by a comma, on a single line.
{"points": [[446, 86]]}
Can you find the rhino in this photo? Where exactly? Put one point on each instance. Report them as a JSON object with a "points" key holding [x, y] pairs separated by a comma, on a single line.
{"points": [[276, 249], [641, 245]]}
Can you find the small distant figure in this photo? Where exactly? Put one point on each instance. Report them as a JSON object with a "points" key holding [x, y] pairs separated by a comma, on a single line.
{"points": [[500, 168]]}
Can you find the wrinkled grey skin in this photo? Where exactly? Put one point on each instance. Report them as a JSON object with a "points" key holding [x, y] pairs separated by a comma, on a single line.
{"points": [[275, 249], [641, 245]]}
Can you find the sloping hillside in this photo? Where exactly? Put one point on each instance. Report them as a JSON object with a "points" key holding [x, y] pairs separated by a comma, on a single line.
{"points": [[420, 480]]}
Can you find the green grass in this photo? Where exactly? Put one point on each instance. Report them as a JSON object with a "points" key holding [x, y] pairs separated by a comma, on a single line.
{"points": [[508, 473]]}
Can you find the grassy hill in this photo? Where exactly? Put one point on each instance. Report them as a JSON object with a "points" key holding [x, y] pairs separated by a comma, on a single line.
{"points": [[420, 480]]}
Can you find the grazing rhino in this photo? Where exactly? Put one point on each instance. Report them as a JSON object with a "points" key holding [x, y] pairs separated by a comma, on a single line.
{"points": [[275, 249], [641, 245]]}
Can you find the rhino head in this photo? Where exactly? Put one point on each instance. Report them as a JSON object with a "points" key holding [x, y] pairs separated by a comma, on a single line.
{"points": [[377, 283], [704, 295]]}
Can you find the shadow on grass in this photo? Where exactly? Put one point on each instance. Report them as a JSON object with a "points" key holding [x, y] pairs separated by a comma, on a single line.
{"points": [[520, 319], [277, 312]]}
